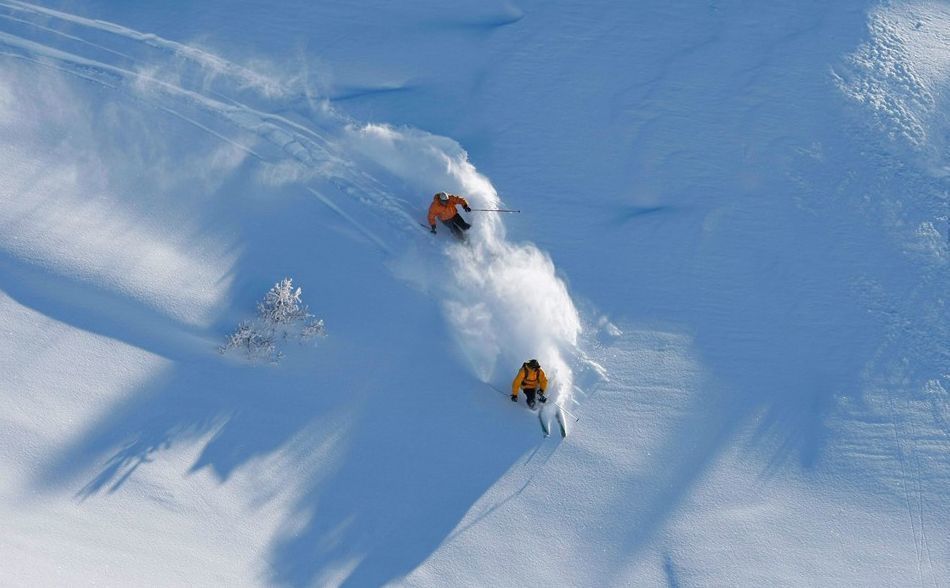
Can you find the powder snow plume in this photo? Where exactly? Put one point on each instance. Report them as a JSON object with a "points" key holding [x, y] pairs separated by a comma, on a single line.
{"points": [[504, 300]]}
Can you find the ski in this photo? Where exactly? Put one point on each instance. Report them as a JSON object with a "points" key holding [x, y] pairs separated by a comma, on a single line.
{"points": [[459, 237], [544, 424], [561, 422]]}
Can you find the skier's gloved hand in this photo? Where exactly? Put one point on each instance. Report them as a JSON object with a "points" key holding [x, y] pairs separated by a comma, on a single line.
{"points": [[432, 230], [467, 208], [514, 398], [542, 397]]}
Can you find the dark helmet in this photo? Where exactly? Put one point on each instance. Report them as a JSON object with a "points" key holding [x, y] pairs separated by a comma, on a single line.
{"points": [[533, 364], [442, 196]]}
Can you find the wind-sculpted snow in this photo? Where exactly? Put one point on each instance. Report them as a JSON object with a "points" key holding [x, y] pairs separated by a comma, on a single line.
{"points": [[902, 74]]}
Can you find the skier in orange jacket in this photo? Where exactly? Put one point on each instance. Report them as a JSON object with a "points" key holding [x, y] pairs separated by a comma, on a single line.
{"points": [[532, 380], [443, 207]]}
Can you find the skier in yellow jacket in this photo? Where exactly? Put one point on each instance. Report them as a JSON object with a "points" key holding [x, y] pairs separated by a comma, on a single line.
{"points": [[443, 208], [532, 380]]}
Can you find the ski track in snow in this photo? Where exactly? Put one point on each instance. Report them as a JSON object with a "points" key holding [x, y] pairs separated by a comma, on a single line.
{"points": [[907, 439], [247, 76], [298, 142], [358, 162]]}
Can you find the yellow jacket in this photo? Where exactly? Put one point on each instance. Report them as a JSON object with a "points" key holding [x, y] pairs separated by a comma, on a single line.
{"points": [[528, 378]]}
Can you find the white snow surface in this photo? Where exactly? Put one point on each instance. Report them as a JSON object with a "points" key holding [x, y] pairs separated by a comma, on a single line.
{"points": [[732, 257]]}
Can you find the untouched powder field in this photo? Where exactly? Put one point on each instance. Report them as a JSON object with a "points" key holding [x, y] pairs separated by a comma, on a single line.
{"points": [[731, 255]]}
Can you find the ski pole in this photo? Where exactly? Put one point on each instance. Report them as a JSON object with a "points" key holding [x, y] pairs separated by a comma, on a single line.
{"points": [[496, 389], [493, 210], [567, 411]]}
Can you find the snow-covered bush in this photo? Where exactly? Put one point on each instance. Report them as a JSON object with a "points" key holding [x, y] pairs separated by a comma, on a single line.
{"points": [[281, 315], [313, 328], [257, 344]]}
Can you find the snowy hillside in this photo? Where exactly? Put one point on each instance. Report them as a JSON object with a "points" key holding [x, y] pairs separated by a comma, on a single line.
{"points": [[732, 258]]}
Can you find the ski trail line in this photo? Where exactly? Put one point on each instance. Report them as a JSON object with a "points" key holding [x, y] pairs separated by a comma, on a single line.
{"points": [[53, 31], [906, 491], [32, 49], [58, 68], [918, 478], [528, 478], [203, 57], [299, 143], [332, 206]]}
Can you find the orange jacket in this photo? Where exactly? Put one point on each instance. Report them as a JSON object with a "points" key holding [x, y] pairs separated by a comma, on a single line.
{"points": [[529, 378], [444, 211]]}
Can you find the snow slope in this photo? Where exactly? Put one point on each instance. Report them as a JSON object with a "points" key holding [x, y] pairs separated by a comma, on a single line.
{"points": [[732, 256]]}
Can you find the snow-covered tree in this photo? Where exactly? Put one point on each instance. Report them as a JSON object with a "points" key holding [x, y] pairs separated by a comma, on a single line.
{"points": [[282, 305], [280, 315]]}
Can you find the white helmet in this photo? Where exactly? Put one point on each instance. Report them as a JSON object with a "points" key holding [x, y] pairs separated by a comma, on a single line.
{"points": [[443, 196]]}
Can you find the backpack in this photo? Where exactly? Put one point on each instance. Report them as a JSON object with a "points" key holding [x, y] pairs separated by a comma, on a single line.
{"points": [[527, 369]]}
